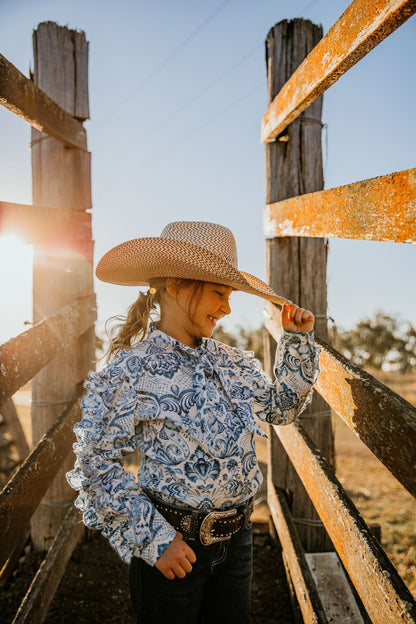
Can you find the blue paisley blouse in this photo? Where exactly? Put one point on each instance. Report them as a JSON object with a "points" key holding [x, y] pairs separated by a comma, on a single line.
{"points": [[190, 413]]}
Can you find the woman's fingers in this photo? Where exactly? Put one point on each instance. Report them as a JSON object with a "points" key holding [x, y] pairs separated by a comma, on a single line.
{"points": [[190, 555], [177, 559], [295, 318], [179, 569]]}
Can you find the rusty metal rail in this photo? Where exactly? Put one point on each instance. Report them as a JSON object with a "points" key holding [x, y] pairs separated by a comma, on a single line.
{"points": [[23, 493], [22, 97], [379, 209], [382, 419], [362, 26], [26, 354], [382, 591]]}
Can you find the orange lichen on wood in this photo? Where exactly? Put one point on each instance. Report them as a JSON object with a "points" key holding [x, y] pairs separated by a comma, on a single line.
{"points": [[380, 209], [361, 27], [382, 419]]}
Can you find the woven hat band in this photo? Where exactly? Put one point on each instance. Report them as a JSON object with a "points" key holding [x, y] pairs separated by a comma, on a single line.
{"points": [[215, 238]]}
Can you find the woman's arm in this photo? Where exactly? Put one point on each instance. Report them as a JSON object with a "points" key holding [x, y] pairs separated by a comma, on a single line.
{"points": [[109, 497], [296, 369]]}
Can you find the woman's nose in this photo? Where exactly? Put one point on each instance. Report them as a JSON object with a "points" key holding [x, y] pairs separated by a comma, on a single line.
{"points": [[225, 306]]}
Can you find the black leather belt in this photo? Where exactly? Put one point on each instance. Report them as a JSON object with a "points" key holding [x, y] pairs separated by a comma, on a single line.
{"points": [[208, 527]]}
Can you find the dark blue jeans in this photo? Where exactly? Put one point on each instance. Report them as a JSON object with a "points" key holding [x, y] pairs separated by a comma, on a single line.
{"points": [[217, 591]]}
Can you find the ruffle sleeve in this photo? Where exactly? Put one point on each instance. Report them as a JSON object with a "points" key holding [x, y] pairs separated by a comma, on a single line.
{"points": [[110, 499], [296, 369]]}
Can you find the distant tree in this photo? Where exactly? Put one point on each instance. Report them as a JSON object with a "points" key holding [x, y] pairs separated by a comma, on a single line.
{"points": [[223, 335], [243, 338], [381, 342]]}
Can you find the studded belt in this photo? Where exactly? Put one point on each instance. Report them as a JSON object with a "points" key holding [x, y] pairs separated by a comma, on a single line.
{"points": [[208, 527]]}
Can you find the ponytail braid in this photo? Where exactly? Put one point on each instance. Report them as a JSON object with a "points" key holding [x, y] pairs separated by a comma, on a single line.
{"points": [[135, 324]]}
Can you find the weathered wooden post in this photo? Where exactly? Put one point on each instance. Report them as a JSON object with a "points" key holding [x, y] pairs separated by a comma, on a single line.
{"points": [[62, 269], [296, 267]]}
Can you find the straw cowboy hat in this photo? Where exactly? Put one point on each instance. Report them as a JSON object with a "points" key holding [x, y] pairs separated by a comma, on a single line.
{"points": [[185, 249]]}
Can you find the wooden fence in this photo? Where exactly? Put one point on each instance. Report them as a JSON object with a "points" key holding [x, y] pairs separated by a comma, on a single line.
{"points": [[58, 350], [383, 209], [383, 420]]}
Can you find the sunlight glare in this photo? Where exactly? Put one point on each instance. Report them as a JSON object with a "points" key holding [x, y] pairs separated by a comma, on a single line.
{"points": [[16, 260]]}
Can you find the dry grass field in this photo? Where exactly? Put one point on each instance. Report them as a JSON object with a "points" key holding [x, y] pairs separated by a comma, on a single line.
{"points": [[380, 498]]}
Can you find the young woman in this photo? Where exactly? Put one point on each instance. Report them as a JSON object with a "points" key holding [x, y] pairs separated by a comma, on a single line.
{"points": [[188, 403]]}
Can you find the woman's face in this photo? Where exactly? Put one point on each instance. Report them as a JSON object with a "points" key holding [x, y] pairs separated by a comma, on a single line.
{"points": [[192, 318]]}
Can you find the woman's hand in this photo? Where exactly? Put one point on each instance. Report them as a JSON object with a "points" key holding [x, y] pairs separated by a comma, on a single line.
{"points": [[177, 559], [297, 319]]}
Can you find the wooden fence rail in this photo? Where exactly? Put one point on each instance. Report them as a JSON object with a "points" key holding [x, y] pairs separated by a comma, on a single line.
{"points": [[34, 606], [382, 419], [382, 591], [306, 592], [379, 209], [55, 102], [22, 97], [25, 490], [361, 27], [382, 208], [26, 354], [39, 224]]}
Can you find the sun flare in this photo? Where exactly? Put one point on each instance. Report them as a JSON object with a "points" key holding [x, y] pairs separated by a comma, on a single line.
{"points": [[16, 260]]}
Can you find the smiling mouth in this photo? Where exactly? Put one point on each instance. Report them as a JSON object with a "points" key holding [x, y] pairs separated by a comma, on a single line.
{"points": [[212, 319]]}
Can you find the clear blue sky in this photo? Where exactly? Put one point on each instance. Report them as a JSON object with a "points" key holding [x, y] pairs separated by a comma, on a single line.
{"points": [[177, 92]]}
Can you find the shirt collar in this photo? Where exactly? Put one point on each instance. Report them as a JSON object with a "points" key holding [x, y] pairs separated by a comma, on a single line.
{"points": [[203, 344]]}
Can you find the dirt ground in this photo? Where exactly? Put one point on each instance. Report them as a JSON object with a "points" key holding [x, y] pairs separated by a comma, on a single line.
{"points": [[94, 589]]}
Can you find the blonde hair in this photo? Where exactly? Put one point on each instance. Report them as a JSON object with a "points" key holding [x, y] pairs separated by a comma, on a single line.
{"points": [[124, 331]]}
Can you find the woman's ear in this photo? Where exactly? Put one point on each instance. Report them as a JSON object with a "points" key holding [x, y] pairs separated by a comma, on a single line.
{"points": [[172, 287]]}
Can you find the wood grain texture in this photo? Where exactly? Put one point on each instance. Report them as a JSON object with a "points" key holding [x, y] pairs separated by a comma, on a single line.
{"points": [[23, 493], [39, 224], [61, 273], [295, 267], [300, 575], [361, 27], [40, 594], [382, 591], [14, 426], [61, 56], [379, 209], [26, 354], [19, 95]]}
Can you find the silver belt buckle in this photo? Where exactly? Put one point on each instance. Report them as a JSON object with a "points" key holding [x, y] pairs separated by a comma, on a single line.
{"points": [[207, 523]]}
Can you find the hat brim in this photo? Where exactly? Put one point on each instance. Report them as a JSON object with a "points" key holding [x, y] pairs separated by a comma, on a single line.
{"points": [[137, 262]]}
